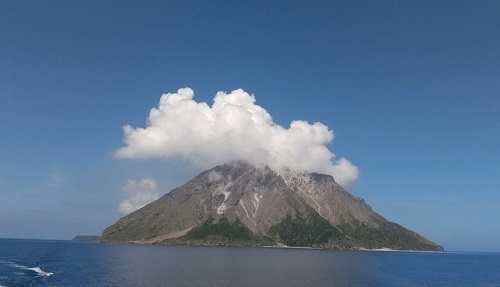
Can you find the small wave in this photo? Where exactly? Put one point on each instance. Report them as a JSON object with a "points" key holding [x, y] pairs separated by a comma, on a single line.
{"points": [[15, 265], [40, 272]]}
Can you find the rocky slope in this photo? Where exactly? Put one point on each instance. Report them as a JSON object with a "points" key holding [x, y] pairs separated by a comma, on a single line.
{"points": [[241, 204]]}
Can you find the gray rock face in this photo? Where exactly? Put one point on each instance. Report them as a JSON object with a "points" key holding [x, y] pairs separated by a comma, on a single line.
{"points": [[261, 199]]}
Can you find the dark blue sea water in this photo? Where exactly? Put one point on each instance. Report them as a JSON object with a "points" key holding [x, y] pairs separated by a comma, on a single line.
{"points": [[69, 263]]}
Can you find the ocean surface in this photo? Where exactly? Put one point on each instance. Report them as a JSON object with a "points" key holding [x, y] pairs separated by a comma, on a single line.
{"points": [[70, 263]]}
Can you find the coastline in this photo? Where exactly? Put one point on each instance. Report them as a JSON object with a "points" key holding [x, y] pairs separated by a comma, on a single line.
{"points": [[173, 242]]}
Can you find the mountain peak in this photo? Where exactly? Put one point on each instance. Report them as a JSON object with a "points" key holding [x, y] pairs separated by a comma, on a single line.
{"points": [[284, 206]]}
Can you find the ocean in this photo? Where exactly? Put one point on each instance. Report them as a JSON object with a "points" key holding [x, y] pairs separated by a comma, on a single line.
{"points": [[70, 263]]}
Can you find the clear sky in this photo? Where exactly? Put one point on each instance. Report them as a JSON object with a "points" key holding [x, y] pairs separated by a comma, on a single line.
{"points": [[411, 90]]}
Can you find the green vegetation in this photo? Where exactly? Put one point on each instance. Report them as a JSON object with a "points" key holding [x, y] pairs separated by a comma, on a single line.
{"points": [[306, 229], [388, 235], [224, 230]]}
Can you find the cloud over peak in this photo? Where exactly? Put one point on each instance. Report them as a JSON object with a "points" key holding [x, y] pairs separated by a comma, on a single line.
{"points": [[139, 193], [233, 128]]}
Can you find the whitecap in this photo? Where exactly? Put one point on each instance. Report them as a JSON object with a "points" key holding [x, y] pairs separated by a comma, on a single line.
{"points": [[40, 272]]}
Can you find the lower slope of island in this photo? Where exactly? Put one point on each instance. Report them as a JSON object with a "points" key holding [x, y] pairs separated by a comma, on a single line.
{"points": [[239, 204]]}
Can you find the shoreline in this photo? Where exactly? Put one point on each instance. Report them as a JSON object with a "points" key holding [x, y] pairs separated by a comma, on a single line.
{"points": [[279, 246]]}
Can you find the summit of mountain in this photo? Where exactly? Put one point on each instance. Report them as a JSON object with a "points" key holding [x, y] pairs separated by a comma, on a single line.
{"points": [[238, 203]]}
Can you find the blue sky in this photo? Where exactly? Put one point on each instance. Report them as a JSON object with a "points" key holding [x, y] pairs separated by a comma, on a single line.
{"points": [[410, 89]]}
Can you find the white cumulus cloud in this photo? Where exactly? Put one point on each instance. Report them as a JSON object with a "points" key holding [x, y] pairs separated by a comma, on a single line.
{"points": [[138, 194], [233, 128]]}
